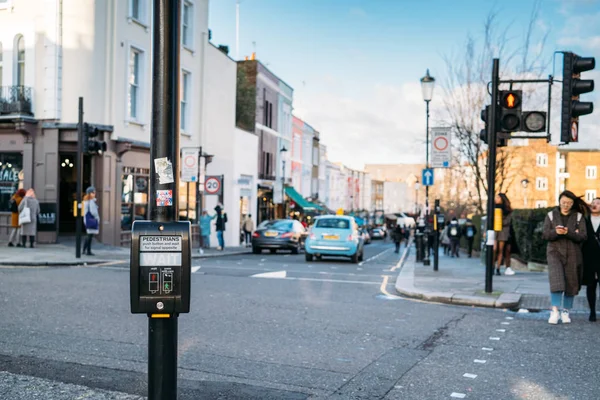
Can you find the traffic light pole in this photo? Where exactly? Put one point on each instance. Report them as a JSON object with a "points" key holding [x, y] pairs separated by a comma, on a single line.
{"points": [[427, 227], [492, 128], [79, 171], [163, 332]]}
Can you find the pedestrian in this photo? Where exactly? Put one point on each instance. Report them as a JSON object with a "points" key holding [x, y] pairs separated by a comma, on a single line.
{"points": [[565, 230], [502, 247], [469, 232], [591, 257], [221, 221], [91, 219], [248, 229], [445, 239], [454, 235], [29, 210], [397, 236], [15, 200], [205, 221]]}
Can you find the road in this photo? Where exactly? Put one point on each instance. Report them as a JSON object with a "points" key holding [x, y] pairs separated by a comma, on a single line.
{"points": [[276, 327]]}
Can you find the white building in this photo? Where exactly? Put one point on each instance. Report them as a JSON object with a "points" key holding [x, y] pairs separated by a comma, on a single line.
{"points": [[366, 202], [307, 160], [396, 197]]}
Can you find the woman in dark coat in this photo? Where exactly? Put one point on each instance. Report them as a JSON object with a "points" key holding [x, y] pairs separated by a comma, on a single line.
{"points": [[505, 237], [591, 257], [565, 230]]}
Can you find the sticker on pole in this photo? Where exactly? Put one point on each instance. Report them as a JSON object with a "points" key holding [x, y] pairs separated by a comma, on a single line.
{"points": [[164, 169], [164, 198], [212, 185], [441, 153]]}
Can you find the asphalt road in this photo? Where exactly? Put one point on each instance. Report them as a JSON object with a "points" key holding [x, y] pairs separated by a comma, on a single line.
{"points": [[276, 327]]}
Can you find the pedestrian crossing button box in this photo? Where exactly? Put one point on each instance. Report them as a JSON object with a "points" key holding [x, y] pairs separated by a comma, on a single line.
{"points": [[160, 267]]}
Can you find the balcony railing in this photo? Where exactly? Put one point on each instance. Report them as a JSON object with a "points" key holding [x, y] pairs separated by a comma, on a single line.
{"points": [[266, 177], [15, 100]]}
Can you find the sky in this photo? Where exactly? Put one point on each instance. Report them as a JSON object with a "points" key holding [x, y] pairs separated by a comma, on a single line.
{"points": [[355, 65]]}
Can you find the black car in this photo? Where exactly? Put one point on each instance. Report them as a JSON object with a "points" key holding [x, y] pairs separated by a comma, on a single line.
{"points": [[280, 234]]}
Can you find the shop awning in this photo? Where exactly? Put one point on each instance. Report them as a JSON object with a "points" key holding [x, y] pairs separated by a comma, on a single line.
{"points": [[300, 201]]}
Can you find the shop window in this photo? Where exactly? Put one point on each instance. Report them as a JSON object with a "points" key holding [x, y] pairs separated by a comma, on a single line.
{"points": [[11, 177], [134, 196]]}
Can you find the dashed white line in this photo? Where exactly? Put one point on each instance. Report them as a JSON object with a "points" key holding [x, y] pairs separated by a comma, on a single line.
{"points": [[505, 323], [471, 376], [275, 274], [494, 338], [487, 349], [458, 395], [501, 330], [509, 318], [375, 256], [480, 361]]}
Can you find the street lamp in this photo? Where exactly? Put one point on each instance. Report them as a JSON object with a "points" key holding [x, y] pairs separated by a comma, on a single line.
{"points": [[427, 85], [525, 183], [282, 151], [417, 186]]}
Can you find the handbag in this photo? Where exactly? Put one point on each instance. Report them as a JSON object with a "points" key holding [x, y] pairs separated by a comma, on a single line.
{"points": [[90, 222], [25, 216]]}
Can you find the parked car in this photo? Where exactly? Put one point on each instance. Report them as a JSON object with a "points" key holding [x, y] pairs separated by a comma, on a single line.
{"points": [[365, 235], [334, 235], [377, 233], [279, 234]]}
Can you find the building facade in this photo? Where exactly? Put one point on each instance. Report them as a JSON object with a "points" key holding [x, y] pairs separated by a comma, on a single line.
{"points": [[297, 147], [59, 51], [307, 160]]}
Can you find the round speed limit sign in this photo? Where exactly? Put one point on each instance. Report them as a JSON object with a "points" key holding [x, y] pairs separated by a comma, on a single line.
{"points": [[212, 185]]}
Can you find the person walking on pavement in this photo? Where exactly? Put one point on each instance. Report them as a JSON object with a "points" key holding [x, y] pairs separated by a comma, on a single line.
{"points": [[221, 221], [591, 257], [469, 232], [565, 230], [248, 229], [397, 235], [29, 206], [502, 247], [445, 239], [454, 235], [91, 219], [15, 201], [205, 221]]}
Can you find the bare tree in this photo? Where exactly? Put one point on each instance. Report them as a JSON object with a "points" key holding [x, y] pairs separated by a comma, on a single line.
{"points": [[466, 92]]}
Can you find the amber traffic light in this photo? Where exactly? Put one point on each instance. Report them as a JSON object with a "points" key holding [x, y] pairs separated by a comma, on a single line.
{"points": [[510, 111]]}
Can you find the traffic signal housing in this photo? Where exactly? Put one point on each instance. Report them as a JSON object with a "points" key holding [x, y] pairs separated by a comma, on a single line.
{"points": [[483, 134], [573, 86], [91, 146], [510, 110]]}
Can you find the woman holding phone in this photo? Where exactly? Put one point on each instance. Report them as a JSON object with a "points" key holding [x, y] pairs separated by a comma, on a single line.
{"points": [[565, 230]]}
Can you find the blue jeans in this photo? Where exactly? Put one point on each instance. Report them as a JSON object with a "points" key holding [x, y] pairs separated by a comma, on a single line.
{"points": [[221, 239], [557, 300]]}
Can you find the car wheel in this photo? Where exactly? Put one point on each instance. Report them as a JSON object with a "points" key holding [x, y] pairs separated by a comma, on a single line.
{"points": [[308, 257], [256, 250], [355, 258], [273, 251]]}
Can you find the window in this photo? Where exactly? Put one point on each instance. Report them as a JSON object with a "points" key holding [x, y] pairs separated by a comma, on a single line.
{"points": [[20, 61], [11, 165], [268, 112], [591, 172], [315, 156], [590, 195], [185, 93], [134, 95], [333, 223], [541, 183], [542, 160], [134, 198], [541, 204], [0, 60], [187, 20], [137, 11]]}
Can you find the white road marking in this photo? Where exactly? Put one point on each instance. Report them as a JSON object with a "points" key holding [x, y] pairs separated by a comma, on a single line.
{"points": [[359, 269], [263, 259], [458, 395], [375, 256], [487, 349], [331, 280], [383, 288], [195, 269], [509, 318], [275, 274], [480, 361], [501, 330], [286, 255], [505, 323], [472, 376], [494, 338], [404, 255]]}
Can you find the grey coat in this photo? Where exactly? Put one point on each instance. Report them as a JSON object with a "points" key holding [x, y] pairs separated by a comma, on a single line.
{"points": [[30, 229], [565, 259]]}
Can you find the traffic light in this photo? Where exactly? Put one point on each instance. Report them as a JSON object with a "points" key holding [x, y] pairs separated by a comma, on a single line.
{"points": [[483, 134], [510, 110], [572, 108], [91, 146]]}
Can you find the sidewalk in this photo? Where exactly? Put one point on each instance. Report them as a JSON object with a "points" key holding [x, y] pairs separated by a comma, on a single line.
{"points": [[63, 254], [461, 281]]}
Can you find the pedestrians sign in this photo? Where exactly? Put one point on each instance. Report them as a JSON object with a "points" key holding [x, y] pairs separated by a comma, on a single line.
{"points": [[212, 185], [427, 177], [441, 153], [189, 165]]}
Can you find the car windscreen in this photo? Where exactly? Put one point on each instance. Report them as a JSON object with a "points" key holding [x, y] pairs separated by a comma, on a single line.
{"points": [[333, 223], [280, 225]]}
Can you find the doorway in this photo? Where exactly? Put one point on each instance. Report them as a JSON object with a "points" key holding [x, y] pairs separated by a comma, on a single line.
{"points": [[68, 189]]}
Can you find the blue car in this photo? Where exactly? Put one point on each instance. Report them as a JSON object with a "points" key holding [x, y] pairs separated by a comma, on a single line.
{"points": [[334, 235]]}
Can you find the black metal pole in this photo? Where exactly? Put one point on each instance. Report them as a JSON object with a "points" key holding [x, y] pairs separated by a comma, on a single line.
{"points": [[78, 221], [162, 332], [489, 259], [427, 227], [283, 191], [187, 202]]}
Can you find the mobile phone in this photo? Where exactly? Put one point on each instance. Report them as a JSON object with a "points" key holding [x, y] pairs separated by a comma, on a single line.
{"points": [[560, 226]]}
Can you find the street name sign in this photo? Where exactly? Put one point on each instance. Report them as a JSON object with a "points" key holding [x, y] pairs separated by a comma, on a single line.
{"points": [[427, 178], [441, 152]]}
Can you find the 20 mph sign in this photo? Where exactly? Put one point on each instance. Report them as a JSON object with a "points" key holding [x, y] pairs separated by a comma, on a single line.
{"points": [[441, 153], [213, 185]]}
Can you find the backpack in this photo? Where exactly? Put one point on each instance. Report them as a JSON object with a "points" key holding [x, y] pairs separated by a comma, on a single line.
{"points": [[14, 208], [453, 231]]}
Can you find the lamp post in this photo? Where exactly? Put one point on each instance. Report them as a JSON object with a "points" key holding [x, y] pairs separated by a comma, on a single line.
{"points": [[282, 151], [417, 186], [427, 85], [525, 183]]}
